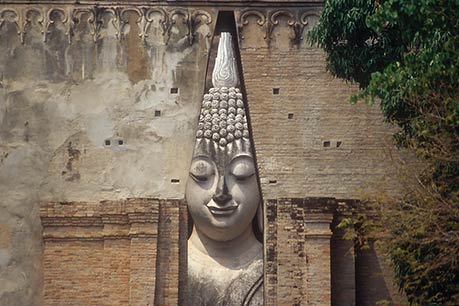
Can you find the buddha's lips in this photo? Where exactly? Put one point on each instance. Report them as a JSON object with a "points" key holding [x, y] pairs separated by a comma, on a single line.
{"points": [[221, 210]]}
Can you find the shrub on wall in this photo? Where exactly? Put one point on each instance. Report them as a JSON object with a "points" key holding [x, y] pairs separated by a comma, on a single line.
{"points": [[405, 54]]}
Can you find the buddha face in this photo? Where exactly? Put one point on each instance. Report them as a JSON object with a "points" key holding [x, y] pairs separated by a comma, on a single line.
{"points": [[222, 191]]}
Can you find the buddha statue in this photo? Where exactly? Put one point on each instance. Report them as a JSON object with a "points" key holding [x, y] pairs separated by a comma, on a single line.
{"points": [[225, 259]]}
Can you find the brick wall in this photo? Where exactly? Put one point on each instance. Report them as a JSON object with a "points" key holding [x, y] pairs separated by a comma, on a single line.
{"points": [[74, 274], [297, 244], [112, 252], [310, 141], [170, 256]]}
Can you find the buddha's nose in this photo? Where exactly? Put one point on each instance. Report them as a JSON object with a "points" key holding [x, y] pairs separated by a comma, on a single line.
{"points": [[221, 195]]}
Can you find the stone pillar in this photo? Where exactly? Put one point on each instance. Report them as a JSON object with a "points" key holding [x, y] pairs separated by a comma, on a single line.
{"points": [[297, 251], [318, 216]]}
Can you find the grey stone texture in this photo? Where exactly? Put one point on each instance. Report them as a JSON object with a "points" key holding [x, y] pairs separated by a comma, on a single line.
{"points": [[225, 259]]}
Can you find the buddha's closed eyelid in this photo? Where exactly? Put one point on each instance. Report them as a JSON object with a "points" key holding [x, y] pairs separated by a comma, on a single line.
{"points": [[200, 178], [243, 168]]}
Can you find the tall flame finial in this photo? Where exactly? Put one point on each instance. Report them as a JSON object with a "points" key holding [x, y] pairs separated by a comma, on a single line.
{"points": [[225, 71], [223, 118]]}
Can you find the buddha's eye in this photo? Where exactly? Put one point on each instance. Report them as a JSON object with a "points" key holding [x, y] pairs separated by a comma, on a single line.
{"points": [[201, 170], [242, 168]]}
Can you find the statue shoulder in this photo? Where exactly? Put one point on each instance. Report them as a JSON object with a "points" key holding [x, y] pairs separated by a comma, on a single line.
{"points": [[247, 288]]}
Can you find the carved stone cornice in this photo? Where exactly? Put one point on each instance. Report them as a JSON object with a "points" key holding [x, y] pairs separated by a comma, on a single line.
{"points": [[168, 15], [297, 20], [206, 3], [69, 16], [243, 20]]}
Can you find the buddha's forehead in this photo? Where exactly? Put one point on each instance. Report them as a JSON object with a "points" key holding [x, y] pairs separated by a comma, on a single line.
{"points": [[222, 155]]}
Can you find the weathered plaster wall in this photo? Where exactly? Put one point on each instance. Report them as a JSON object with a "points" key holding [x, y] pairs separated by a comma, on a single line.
{"points": [[91, 114]]}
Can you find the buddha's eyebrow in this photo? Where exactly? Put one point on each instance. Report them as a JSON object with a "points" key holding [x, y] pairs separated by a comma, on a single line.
{"points": [[242, 156], [201, 157]]}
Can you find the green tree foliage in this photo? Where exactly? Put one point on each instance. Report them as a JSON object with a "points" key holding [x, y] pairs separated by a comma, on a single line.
{"points": [[405, 54]]}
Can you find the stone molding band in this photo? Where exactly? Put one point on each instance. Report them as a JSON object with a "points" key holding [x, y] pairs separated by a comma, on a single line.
{"points": [[168, 16], [22, 17], [297, 20]]}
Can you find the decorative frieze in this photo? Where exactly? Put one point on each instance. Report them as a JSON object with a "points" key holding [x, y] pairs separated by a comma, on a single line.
{"points": [[97, 17], [296, 19]]}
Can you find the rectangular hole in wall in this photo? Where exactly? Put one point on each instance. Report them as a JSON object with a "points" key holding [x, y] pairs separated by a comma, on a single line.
{"points": [[273, 181], [157, 113], [175, 181], [174, 90], [276, 91], [326, 144], [290, 116], [107, 142], [338, 144], [120, 142]]}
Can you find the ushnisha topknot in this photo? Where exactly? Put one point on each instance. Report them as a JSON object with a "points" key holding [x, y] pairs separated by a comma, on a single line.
{"points": [[223, 118]]}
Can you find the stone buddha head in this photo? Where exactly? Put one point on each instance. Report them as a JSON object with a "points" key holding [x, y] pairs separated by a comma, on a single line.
{"points": [[222, 191]]}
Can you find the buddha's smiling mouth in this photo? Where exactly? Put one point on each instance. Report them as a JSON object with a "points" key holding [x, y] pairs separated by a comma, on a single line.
{"points": [[222, 210]]}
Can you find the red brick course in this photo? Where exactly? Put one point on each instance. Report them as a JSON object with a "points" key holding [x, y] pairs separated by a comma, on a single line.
{"points": [[107, 253]]}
